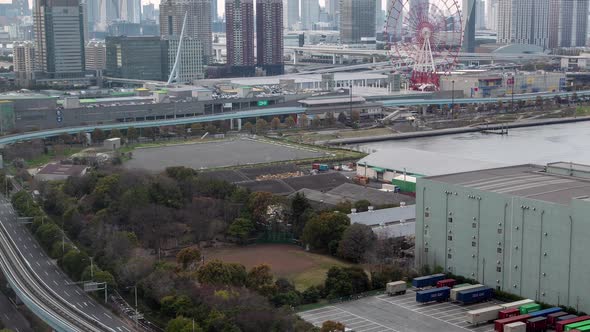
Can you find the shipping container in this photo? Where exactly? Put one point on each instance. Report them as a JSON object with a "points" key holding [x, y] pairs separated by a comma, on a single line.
{"points": [[396, 287], [559, 319], [426, 281], [506, 313], [528, 308], [462, 285], [515, 327], [476, 295], [582, 328], [536, 324], [433, 294], [552, 318], [516, 304], [315, 166], [574, 326], [324, 167], [500, 323], [446, 283], [483, 315], [456, 290], [545, 312], [561, 323]]}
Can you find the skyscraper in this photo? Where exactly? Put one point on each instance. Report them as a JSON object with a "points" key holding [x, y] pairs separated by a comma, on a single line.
{"points": [[131, 11], [310, 13], [148, 12], [290, 14], [22, 7], [572, 20], [198, 23], [214, 16], [59, 38], [379, 16], [333, 10], [492, 15], [269, 36], [239, 21], [142, 58], [357, 20], [523, 22], [469, 8], [480, 15], [109, 11]]}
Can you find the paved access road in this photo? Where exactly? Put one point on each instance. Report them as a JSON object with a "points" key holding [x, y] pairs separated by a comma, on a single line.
{"points": [[384, 313], [12, 318], [51, 275]]}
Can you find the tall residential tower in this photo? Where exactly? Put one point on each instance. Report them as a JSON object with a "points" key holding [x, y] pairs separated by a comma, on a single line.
{"points": [[269, 36], [239, 22]]}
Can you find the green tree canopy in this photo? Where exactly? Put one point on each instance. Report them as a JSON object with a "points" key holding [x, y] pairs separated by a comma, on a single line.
{"points": [[356, 241], [324, 231]]}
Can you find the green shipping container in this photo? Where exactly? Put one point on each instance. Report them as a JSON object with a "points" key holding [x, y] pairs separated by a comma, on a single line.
{"points": [[577, 325], [405, 186], [584, 328], [525, 309]]}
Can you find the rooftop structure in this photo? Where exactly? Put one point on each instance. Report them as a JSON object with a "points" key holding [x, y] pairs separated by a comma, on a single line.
{"points": [[56, 171], [392, 222]]}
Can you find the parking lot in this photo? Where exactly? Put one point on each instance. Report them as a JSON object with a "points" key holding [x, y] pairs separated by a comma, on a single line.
{"points": [[402, 313]]}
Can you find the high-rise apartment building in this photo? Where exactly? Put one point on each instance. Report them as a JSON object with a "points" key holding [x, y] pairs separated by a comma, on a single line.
{"points": [[269, 36], [148, 12], [109, 11], [24, 63], [492, 15], [96, 55], [333, 10], [357, 20], [198, 24], [59, 38], [417, 8], [131, 11], [239, 21], [310, 14], [290, 14], [523, 22], [214, 15], [480, 15]]}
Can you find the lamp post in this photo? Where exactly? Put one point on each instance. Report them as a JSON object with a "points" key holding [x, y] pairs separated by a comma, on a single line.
{"points": [[453, 96], [513, 84]]}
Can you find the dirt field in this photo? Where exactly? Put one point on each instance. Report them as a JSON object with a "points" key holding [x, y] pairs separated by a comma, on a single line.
{"points": [[304, 269]]}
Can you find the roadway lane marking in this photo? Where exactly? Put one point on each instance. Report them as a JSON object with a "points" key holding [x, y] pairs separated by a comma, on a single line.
{"points": [[93, 315], [66, 292], [7, 318], [107, 315], [118, 328], [47, 274], [25, 246], [39, 265], [78, 292], [31, 255], [55, 282], [126, 329], [35, 246], [86, 304]]}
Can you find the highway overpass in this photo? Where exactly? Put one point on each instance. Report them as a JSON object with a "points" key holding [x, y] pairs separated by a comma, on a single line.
{"points": [[43, 288], [266, 112]]}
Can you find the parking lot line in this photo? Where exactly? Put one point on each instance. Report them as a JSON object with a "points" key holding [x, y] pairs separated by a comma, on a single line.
{"points": [[332, 313]]}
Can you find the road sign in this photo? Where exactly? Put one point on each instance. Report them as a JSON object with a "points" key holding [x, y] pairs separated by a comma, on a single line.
{"points": [[263, 103], [94, 286]]}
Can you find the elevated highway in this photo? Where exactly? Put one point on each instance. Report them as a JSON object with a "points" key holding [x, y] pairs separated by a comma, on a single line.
{"points": [[45, 290]]}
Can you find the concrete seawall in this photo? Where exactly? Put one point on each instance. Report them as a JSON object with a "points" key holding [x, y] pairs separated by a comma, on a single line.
{"points": [[451, 131]]}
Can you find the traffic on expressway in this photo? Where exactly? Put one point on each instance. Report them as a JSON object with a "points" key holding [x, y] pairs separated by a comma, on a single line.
{"points": [[46, 290]]}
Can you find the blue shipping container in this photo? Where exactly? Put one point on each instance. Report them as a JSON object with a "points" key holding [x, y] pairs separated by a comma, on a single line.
{"points": [[475, 295], [427, 280], [545, 312], [434, 294], [566, 317]]}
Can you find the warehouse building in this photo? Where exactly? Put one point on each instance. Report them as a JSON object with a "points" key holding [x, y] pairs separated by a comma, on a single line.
{"points": [[521, 229]]}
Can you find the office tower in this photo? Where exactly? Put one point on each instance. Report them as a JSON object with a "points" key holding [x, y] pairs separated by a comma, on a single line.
{"points": [[131, 11], [108, 11], [357, 20], [469, 8], [290, 14], [333, 10], [395, 19], [492, 15], [24, 63], [239, 21], [310, 14], [523, 22], [198, 25], [22, 7], [148, 13], [96, 55], [480, 15], [269, 36], [214, 15], [59, 38], [572, 22], [190, 63], [379, 16], [92, 14], [142, 58]]}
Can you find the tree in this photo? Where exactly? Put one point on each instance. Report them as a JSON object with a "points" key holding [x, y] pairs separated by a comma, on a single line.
{"points": [[115, 133], [241, 229], [290, 122], [356, 241], [65, 138], [331, 326], [342, 118], [316, 122], [211, 129], [149, 133], [330, 119], [188, 257], [275, 123], [196, 129], [132, 134], [260, 278], [74, 262], [355, 116], [97, 135], [215, 272], [47, 234], [258, 205], [299, 206], [181, 324], [249, 127], [303, 121], [261, 126], [362, 205], [345, 281], [323, 232]]}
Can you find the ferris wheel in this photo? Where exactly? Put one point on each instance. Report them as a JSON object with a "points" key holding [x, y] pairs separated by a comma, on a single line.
{"points": [[426, 35]]}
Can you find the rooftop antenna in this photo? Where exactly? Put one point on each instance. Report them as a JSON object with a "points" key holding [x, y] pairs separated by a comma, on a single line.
{"points": [[174, 73]]}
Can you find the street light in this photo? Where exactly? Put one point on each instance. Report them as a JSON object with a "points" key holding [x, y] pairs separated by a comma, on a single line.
{"points": [[453, 96]]}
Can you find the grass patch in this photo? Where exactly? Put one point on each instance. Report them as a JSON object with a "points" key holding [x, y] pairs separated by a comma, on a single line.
{"points": [[365, 133], [582, 110], [316, 275], [48, 157]]}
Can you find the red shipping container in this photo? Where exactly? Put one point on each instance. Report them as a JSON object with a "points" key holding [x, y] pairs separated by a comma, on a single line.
{"points": [[559, 326], [552, 318], [446, 283], [499, 323], [315, 166], [507, 313], [537, 324]]}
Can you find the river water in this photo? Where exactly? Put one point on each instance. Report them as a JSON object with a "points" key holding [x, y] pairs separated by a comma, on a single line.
{"points": [[540, 145]]}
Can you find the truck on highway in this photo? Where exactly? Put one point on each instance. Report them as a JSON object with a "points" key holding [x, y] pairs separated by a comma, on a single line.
{"points": [[396, 287]]}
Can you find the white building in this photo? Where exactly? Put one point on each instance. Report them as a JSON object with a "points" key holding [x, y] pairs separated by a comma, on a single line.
{"points": [[523, 22], [388, 223]]}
